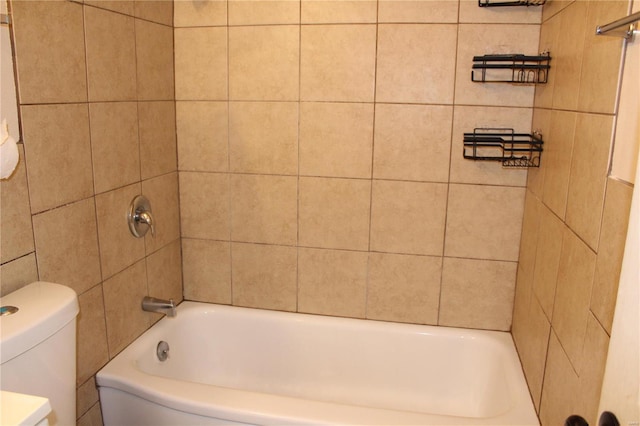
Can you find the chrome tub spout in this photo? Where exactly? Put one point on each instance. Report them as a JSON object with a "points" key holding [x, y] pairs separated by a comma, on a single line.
{"points": [[152, 304]]}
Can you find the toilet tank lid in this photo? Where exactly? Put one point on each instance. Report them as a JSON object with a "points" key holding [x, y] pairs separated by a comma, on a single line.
{"points": [[44, 309]]}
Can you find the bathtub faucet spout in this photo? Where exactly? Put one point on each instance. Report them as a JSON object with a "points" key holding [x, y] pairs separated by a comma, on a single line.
{"points": [[151, 304]]}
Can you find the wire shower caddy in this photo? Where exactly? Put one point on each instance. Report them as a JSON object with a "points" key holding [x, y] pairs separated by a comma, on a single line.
{"points": [[513, 150]]}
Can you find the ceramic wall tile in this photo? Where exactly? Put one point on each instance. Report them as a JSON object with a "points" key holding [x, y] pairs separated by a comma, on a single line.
{"points": [[561, 386], [16, 238], [125, 319], [264, 209], [408, 217], [114, 140], [558, 150], [404, 288], [87, 396], [60, 59], [568, 56], [264, 61], [18, 273], [336, 139], [92, 352], [573, 294], [332, 282], [204, 13], [334, 213], [530, 238], [159, 11], [413, 64], [338, 63], [396, 11], [545, 276], [154, 61], [477, 293], [207, 270], [536, 175], [554, 8], [263, 137], [111, 56], [264, 276], [533, 350], [412, 142], [203, 136], [67, 245], [201, 63], [263, 12], [338, 11], [164, 273], [549, 36], [157, 127], [522, 300], [601, 59], [91, 417], [588, 176], [596, 345], [615, 220], [125, 7], [204, 205], [58, 154], [477, 225]]}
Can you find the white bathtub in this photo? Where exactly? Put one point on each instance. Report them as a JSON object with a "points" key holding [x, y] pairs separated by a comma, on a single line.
{"points": [[230, 365]]}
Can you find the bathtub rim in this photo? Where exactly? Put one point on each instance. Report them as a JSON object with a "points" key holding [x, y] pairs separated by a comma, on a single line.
{"points": [[123, 374]]}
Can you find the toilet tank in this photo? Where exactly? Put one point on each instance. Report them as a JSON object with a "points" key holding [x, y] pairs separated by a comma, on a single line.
{"points": [[38, 346]]}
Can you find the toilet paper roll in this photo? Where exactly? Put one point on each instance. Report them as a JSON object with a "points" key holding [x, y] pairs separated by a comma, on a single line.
{"points": [[9, 154]]}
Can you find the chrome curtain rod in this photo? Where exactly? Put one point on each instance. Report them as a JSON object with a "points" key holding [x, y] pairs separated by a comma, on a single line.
{"points": [[627, 21]]}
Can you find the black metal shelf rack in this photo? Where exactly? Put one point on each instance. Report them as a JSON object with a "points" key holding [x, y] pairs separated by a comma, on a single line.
{"points": [[511, 68], [513, 150], [489, 3]]}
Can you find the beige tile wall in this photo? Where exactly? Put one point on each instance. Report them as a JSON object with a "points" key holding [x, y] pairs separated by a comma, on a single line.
{"points": [[320, 158], [97, 101], [575, 217], [318, 149]]}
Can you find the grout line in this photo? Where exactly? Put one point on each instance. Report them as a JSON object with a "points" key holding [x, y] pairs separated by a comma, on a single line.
{"points": [[228, 172], [373, 138], [298, 146], [544, 367], [94, 196], [175, 110], [448, 183], [373, 132]]}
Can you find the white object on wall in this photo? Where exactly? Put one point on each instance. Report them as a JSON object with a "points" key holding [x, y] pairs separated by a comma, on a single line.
{"points": [[8, 103], [9, 155]]}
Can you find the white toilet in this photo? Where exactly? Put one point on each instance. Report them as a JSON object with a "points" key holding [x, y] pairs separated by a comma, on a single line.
{"points": [[38, 346]]}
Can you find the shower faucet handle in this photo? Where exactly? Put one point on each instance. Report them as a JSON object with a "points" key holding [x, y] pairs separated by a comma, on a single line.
{"points": [[140, 217], [146, 217]]}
